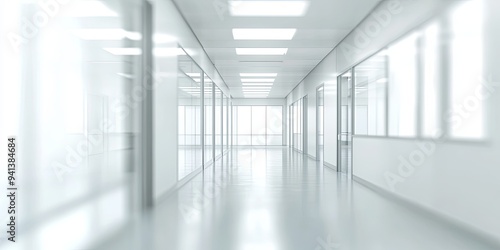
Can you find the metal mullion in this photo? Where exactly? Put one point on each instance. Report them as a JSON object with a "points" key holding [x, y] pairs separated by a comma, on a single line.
{"points": [[420, 87]]}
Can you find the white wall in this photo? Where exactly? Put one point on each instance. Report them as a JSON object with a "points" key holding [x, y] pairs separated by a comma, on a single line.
{"points": [[168, 21], [326, 74], [457, 179]]}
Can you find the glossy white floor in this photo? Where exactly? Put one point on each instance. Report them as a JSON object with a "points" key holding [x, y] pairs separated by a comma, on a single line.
{"points": [[275, 199]]}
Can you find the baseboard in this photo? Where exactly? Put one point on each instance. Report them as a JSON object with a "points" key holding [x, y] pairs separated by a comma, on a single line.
{"points": [[178, 185], [333, 167], [437, 215], [186, 179], [312, 157]]}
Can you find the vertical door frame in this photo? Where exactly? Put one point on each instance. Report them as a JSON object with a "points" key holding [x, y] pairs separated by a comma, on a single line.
{"points": [[317, 122], [339, 120]]}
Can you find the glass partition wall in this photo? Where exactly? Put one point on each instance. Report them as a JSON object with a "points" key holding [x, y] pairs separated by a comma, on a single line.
{"points": [[297, 124], [202, 133], [225, 123], [73, 102], [417, 87], [218, 122], [189, 96], [208, 121]]}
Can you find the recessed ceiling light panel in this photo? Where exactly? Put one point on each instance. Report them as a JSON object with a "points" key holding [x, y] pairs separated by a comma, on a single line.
{"points": [[257, 84], [263, 34], [258, 74], [261, 51], [268, 8], [254, 80]]}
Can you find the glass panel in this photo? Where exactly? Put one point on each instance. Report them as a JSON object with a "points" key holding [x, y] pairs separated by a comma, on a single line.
{"points": [[402, 64], [466, 116], [345, 118], [274, 140], [218, 121], [244, 140], [244, 126], [371, 96], [224, 123], [258, 125], [274, 120], [189, 117], [208, 149], [431, 79], [74, 106]]}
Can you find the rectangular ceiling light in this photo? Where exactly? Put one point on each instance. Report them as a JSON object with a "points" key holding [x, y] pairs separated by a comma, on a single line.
{"points": [[257, 84], [257, 80], [255, 96], [258, 74], [256, 88], [263, 34], [261, 51], [268, 8]]}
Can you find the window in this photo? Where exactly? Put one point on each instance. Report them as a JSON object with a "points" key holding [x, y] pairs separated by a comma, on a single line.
{"points": [[274, 125], [431, 79], [189, 116], [218, 121], [402, 87], [465, 117], [371, 96], [297, 130], [208, 147], [427, 84], [258, 125]]}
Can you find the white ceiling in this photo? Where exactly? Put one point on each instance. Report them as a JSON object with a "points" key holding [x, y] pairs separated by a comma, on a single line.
{"points": [[324, 25]]}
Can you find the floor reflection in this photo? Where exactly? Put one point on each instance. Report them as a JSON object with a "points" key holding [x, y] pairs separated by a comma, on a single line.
{"points": [[276, 199]]}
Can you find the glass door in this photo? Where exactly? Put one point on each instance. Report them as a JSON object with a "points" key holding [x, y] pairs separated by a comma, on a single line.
{"points": [[344, 137]]}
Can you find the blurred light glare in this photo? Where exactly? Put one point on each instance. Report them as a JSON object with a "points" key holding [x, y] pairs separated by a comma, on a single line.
{"points": [[163, 38], [89, 9], [107, 34], [168, 52]]}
